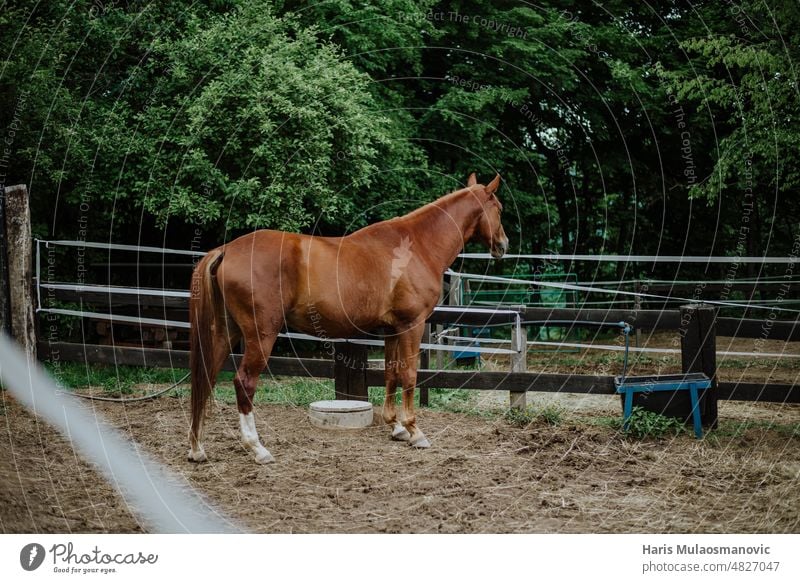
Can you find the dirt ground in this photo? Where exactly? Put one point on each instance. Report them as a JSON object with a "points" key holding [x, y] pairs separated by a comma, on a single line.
{"points": [[482, 475]]}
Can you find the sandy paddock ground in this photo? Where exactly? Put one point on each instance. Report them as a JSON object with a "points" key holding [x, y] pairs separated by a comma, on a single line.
{"points": [[481, 475]]}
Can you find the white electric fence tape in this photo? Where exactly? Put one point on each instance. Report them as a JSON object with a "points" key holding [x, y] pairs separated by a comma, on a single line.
{"points": [[638, 258], [164, 501]]}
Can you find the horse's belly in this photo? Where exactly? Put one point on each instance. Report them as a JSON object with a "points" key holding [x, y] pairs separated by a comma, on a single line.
{"points": [[321, 321]]}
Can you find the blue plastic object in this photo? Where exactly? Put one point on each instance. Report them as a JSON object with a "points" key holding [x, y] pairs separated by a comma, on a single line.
{"points": [[472, 339]]}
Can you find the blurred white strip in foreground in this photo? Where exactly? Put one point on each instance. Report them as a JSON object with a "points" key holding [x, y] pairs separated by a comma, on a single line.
{"points": [[163, 501]]}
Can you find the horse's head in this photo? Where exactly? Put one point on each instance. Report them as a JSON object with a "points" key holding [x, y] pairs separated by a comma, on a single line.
{"points": [[489, 230]]}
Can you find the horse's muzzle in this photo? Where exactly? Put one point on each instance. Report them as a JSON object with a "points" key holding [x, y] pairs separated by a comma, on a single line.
{"points": [[499, 249]]}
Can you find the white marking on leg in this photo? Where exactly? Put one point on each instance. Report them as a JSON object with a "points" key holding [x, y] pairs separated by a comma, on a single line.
{"points": [[196, 451], [247, 423], [419, 440], [400, 433], [197, 454]]}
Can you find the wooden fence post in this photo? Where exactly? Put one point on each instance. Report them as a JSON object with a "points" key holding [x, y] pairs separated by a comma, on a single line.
{"points": [[5, 312], [425, 362], [519, 362], [350, 371], [20, 266], [699, 353]]}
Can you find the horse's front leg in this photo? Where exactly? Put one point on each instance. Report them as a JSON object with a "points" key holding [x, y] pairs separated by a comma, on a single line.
{"points": [[399, 432], [408, 349]]}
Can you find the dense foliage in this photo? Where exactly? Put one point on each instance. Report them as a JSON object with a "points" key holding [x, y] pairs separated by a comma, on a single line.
{"points": [[627, 128]]}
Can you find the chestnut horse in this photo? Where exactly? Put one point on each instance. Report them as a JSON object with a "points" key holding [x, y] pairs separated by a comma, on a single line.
{"points": [[386, 275]]}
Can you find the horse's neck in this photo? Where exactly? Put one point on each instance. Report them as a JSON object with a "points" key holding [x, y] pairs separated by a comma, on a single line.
{"points": [[444, 226]]}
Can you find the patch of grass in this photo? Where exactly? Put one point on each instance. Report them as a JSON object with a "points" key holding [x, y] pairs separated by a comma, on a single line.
{"points": [[298, 392], [614, 423], [643, 424], [118, 387], [549, 414], [520, 417], [121, 379]]}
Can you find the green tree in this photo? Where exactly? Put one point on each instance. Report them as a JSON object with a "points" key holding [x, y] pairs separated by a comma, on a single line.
{"points": [[742, 78], [224, 116]]}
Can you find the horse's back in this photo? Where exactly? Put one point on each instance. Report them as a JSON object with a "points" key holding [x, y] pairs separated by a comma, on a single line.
{"points": [[306, 282]]}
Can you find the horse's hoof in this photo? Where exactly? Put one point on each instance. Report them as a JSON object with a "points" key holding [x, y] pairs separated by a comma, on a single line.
{"points": [[420, 443], [264, 457], [197, 456], [400, 433]]}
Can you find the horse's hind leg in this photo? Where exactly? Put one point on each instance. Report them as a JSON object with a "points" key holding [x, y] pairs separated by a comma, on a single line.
{"points": [[223, 346], [256, 354]]}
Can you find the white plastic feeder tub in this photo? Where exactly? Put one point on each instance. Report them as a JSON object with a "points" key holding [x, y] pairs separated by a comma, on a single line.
{"points": [[340, 414]]}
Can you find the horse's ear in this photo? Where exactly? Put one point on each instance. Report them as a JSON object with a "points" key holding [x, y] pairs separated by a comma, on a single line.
{"points": [[472, 180], [493, 185]]}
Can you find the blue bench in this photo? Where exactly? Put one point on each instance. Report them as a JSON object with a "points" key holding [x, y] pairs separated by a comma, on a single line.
{"points": [[692, 382]]}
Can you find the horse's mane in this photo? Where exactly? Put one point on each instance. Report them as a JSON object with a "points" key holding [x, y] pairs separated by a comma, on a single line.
{"points": [[442, 200]]}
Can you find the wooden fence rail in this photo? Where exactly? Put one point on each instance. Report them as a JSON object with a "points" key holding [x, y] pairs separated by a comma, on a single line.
{"points": [[426, 378]]}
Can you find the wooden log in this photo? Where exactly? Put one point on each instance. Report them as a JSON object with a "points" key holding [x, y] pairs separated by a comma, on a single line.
{"points": [[699, 353], [568, 317], [759, 392], [115, 298], [350, 371], [20, 268], [759, 328], [467, 318], [506, 381]]}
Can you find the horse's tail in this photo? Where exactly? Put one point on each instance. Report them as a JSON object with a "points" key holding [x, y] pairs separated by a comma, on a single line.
{"points": [[207, 318]]}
